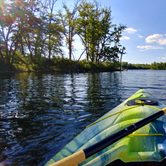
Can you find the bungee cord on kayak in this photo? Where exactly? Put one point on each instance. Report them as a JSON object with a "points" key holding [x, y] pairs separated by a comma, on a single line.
{"points": [[122, 111]]}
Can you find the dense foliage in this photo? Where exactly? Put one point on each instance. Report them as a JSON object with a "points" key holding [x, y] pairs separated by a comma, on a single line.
{"points": [[126, 65], [32, 32], [158, 66], [154, 66]]}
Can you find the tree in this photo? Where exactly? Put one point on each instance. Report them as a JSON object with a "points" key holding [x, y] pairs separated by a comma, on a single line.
{"points": [[94, 28], [10, 31], [154, 65], [53, 37], [121, 57], [18, 28], [68, 20], [30, 24], [87, 27], [7, 44], [125, 65], [47, 37], [53, 29]]}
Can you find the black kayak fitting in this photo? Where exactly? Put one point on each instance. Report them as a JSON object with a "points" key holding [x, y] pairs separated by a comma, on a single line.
{"points": [[142, 101]]}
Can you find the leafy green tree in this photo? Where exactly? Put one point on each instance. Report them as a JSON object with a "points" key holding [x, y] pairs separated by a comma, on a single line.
{"points": [[8, 34], [52, 29], [18, 28], [94, 28], [125, 65], [154, 65], [68, 20], [29, 24], [32, 29], [87, 27], [52, 37]]}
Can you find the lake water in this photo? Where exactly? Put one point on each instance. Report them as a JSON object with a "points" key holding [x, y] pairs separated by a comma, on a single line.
{"points": [[41, 113]]}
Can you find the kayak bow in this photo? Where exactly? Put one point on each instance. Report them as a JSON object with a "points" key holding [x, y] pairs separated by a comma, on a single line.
{"points": [[109, 138]]}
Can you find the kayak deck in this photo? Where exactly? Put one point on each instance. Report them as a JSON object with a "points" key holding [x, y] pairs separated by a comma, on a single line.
{"points": [[149, 163], [147, 144]]}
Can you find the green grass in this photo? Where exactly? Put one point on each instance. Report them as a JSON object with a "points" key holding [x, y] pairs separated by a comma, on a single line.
{"points": [[59, 65]]}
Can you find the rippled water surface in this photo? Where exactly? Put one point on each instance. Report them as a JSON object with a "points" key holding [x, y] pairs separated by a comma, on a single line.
{"points": [[41, 113]]}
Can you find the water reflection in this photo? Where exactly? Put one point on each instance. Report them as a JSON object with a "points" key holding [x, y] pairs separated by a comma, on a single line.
{"points": [[102, 92], [40, 113]]}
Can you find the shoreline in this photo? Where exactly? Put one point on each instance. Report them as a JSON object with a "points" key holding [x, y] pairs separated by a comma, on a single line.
{"points": [[60, 71]]}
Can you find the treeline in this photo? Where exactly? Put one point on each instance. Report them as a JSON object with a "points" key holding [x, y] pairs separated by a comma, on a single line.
{"points": [[154, 66], [126, 65], [33, 32], [158, 66]]}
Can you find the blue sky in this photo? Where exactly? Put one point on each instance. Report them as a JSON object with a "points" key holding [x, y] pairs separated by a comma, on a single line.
{"points": [[145, 35]]}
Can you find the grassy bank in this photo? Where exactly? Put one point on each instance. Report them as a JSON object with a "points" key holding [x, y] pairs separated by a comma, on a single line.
{"points": [[59, 65]]}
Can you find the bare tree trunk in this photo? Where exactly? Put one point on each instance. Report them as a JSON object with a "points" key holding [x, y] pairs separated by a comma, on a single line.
{"points": [[70, 43], [79, 59], [1, 55], [121, 58], [13, 54]]}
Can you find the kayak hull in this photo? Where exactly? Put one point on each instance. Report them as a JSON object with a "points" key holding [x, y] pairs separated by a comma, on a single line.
{"points": [[147, 144]]}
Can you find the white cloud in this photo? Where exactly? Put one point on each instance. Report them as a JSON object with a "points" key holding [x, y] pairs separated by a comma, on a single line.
{"points": [[145, 48], [163, 58], [125, 38], [140, 36], [130, 30], [158, 38]]}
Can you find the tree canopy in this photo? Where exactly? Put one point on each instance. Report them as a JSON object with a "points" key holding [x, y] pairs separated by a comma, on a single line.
{"points": [[33, 30]]}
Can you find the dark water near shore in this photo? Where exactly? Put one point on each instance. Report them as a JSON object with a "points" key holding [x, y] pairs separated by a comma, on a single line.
{"points": [[41, 113]]}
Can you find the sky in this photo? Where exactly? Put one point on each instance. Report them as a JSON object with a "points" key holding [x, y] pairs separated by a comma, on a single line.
{"points": [[145, 35]]}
